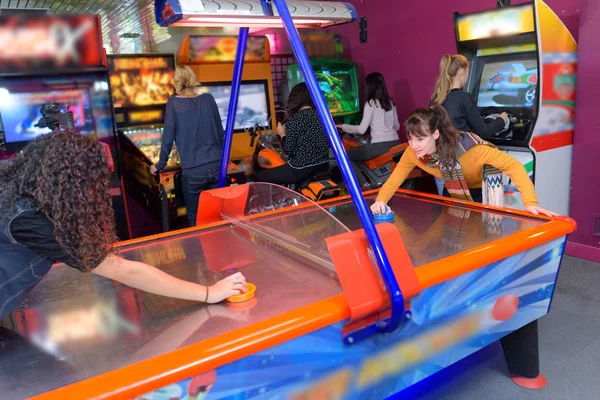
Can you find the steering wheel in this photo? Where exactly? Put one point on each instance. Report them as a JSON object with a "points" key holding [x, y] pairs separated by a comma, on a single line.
{"points": [[493, 113]]}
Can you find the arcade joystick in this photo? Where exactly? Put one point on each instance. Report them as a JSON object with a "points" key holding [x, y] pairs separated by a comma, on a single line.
{"points": [[239, 298]]}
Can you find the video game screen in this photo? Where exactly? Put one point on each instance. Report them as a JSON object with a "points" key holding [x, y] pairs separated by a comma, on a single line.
{"points": [[21, 113], [336, 87], [138, 81], [253, 103], [338, 84], [86, 96], [508, 84]]}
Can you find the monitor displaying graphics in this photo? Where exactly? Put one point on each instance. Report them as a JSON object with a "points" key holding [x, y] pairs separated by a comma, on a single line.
{"points": [[337, 89], [509, 83], [21, 113], [86, 96], [253, 102], [337, 80], [138, 81]]}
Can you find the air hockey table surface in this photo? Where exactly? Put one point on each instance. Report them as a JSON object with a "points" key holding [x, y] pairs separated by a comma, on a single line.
{"points": [[82, 332]]}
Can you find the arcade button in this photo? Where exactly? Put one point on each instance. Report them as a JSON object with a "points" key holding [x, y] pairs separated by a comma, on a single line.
{"points": [[242, 297]]}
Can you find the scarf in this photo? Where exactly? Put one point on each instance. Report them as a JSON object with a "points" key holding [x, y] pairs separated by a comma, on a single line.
{"points": [[454, 179]]}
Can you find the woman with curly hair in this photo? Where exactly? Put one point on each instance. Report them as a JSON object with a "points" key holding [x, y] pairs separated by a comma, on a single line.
{"points": [[304, 141], [55, 206]]}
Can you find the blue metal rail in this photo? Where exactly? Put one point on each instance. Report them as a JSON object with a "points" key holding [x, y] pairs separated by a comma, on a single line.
{"points": [[238, 69], [395, 294]]}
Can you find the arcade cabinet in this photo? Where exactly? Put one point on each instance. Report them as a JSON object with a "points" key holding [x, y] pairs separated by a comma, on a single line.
{"points": [[523, 61], [338, 81], [141, 86], [75, 77], [212, 60]]}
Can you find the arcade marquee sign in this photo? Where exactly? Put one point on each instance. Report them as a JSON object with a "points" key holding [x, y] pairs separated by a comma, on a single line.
{"points": [[32, 44]]}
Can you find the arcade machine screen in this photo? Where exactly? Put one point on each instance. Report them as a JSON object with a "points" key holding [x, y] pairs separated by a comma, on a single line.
{"points": [[86, 96], [509, 83], [253, 103], [336, 87], [141, 81], [338, 83]]}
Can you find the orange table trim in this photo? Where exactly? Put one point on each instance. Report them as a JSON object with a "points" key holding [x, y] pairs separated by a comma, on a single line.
{"points": [[448, 268], [152, 374]]}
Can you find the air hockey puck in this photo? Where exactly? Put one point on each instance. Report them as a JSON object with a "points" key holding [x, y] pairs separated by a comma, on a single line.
{"points": [[239, 298], [244, 306], [384, 217]]}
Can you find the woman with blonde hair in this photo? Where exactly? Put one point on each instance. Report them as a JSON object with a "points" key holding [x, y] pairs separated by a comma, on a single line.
{"points": [[463, 111], [194, 123]]}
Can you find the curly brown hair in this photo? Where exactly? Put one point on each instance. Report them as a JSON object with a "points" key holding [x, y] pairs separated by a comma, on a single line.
{"points": [[67, 176]]}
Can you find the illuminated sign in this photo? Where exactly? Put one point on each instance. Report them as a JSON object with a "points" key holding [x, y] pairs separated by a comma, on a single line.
{"points": [[224, 49], [496, 23], [136, 63], [145, 116], [40, 43], [139, 81]]}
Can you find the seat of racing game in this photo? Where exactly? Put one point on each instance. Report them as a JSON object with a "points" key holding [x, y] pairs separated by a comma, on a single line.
{"points": [[319, 185]]}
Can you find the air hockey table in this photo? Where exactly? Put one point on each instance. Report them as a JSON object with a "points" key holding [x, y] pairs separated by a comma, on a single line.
{"points": [[471, 276]]}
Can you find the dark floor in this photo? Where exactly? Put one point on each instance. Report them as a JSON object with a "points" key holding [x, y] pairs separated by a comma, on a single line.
{"points": [[569, 350]]}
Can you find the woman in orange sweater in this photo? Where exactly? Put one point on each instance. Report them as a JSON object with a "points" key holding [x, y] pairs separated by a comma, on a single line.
{"points": [[470, 167]]}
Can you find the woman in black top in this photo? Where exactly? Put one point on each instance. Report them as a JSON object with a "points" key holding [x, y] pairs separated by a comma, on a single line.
{"points": [[454, 73], [304, 141], [193, 122], [55, 206]]}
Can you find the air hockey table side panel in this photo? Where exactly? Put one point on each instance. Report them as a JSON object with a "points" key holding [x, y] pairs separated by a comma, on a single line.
{"points": [[219, 351], [450, 321]]}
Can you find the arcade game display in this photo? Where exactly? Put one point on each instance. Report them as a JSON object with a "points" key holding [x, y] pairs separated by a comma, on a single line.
{"points": [[77, 80], [253, 103], [523, 61], [338, 81], [303, 260], [212, 60], [141, 86]]}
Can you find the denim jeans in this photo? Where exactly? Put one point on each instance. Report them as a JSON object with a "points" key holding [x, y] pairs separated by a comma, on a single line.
{"points": [[20, 268], [192, 185], [439, 182]]}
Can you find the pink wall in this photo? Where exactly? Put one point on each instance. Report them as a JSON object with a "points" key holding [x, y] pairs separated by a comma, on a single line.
{"points": [[585, 192], [407, 39]]}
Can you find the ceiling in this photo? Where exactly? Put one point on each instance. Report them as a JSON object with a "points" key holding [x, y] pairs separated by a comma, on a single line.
{"points": [[122, 22]]}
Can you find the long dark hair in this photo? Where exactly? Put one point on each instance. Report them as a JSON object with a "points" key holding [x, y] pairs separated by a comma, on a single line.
{"points": [[67, 176], [377, 91], [299, 97], [424, 122]]}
